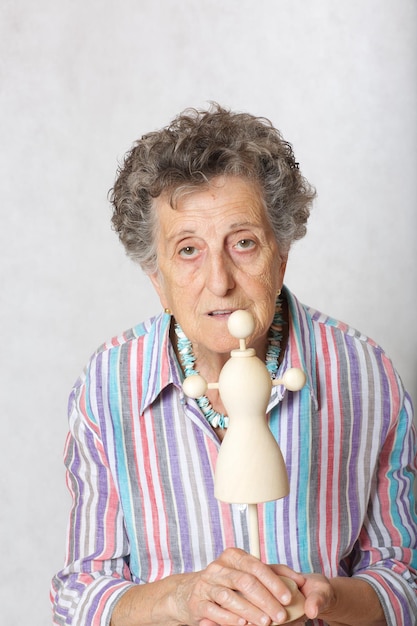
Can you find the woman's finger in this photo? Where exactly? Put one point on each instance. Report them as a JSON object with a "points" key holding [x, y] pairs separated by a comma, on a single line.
{"points": [[265, 577], [255, 605]]}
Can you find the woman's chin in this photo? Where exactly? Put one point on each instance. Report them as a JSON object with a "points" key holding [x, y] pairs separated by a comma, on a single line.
{"points": [[216, 344]]}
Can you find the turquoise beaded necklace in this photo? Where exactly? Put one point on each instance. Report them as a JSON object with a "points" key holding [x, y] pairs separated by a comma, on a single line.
{"points": [[187, 357]]}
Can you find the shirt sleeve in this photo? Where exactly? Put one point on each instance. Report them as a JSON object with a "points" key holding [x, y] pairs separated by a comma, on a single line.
{"points": [[96, 572], [386, 554]]}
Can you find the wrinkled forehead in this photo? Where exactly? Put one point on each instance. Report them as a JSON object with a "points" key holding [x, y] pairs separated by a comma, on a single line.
{"points": [[175, 194]]}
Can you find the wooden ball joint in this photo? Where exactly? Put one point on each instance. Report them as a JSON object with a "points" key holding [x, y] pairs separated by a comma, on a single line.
{"points": [[250, 467]]}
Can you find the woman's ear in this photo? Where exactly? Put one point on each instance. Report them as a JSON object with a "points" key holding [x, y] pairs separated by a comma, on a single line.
{"points": [[282, 269], [157, 282]]}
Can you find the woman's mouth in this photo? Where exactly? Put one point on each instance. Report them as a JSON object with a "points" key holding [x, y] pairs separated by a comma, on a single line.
{"points": [[224, 313]]}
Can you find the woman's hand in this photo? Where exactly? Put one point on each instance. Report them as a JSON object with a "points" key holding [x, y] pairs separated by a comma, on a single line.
{"points": [[234, 590]]}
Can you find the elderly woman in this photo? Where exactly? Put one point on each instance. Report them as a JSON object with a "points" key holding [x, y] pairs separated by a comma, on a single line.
{"points": [[209, 207]]}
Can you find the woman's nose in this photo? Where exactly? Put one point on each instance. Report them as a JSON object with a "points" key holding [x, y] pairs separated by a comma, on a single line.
{"points": [[220, 277]]}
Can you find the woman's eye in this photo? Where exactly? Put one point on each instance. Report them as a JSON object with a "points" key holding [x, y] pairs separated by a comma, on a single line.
{"points": [[188, 251], [245, 244]]}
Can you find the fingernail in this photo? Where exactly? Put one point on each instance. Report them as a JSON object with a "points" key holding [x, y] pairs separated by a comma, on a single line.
{"points": [[281, 616], [285, 598]]}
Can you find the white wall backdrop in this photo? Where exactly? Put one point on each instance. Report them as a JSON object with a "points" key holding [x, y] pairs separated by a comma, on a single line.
{"points": [[80, 80]]}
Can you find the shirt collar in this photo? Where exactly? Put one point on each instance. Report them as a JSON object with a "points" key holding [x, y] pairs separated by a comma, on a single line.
{"points": [[301, 346], [160, 365]]}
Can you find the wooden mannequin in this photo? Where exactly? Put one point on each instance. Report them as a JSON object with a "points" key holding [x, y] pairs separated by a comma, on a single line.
{"points": [[250, 467]]}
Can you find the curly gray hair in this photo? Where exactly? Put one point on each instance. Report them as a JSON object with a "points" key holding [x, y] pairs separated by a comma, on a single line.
{"points": [[196, 147]]}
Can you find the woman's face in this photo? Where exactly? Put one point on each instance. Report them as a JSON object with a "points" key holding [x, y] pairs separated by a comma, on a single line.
{"points": [[217, 253]]}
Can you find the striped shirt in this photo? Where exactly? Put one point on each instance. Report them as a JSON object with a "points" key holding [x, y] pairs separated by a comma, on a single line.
{"points": [[140, 463]]}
